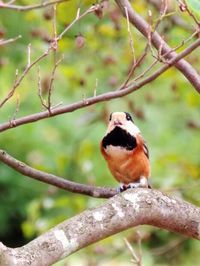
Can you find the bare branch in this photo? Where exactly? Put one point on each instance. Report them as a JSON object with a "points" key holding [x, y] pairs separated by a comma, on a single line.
{"points": [[125, 210], [130, 37], [188, 71], [141, 75], [29, 55], [5, 42], [19, 80], [52, 47], [17, 107], [31, 7], [95, 88], [133, 68], [78, 17], [176, 20], [183, 6], [55, 47], [97, 192], [135, 258], [49, 105], [103, 97], [42, 100], [161, 57]]}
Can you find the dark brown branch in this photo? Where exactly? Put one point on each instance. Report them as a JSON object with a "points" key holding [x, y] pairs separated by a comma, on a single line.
{"points": [[188, 71], [131, 208], [98, 192], [31, 7], [100, 98]]}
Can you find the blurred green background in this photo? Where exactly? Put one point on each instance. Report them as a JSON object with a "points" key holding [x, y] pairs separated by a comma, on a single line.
{"points": [[167, 111]]}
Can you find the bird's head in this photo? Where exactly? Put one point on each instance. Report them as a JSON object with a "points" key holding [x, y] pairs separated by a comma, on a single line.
{"points": [[124, 121]]}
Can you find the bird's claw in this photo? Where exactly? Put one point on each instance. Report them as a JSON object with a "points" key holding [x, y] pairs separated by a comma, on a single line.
{"points": [[122, 188], [141, 183]]}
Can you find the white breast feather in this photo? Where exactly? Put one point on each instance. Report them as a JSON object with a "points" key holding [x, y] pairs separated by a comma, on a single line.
{"points": [[116, 151]]}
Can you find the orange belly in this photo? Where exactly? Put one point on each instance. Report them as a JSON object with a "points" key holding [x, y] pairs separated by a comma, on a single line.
{"points": [[128, 166]]}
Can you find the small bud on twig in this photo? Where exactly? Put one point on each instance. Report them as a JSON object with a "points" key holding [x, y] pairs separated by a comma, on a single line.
{"points": [[80, 41]]}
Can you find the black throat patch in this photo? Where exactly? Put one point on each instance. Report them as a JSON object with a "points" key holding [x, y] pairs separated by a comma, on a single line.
{"points": [[121, 138]]}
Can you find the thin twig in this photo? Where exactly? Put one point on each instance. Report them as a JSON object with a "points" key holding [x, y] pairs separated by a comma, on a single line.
{"points": [[52, 46], [30, 7], [56, 105], [43, 102], [17, 107], [177, 20], [102, 97], [133, 68], [141, 75], [78, 17], [169, 247], [184, 7], [135, 258], [183, 42], [29, 55], [5, 42], [187, 70], [55, 46], [51, 82], [161, 56], [139, 243], [150, 32], [19, 80], [163, 11], [130, 37], [95, 88]]}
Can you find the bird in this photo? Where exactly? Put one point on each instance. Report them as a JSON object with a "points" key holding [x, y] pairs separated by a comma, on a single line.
{"points": [[126, 152]]}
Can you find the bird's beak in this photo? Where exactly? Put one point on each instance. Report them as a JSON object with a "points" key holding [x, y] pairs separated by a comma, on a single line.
{"points": [[117, 123]]}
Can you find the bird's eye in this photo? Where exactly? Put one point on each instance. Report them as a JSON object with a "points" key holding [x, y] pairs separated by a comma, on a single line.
{"points": [[110, 117], [128, 117]]}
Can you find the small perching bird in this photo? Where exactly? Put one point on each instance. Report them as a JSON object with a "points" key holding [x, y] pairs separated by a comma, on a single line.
{"points": [[125, 151]]}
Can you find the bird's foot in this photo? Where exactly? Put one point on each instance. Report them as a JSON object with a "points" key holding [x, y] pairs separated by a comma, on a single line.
{"points": [[122, 188], [143, 182]]}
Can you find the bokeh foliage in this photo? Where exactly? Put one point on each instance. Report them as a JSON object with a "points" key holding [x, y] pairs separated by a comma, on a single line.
{"points": [[167, 112]]}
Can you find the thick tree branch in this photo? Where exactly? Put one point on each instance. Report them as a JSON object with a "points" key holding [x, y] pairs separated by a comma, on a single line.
{"points": [[98, 192], [131, 208], [188, 71], [100, 98]]}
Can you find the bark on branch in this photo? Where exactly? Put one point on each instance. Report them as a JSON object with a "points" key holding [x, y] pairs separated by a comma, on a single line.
{"points": [[24, 169], [188, 71], [131, 208]]}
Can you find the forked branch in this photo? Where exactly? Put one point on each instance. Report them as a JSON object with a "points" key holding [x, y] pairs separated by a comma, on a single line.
{"points": [[157, 41], [133, 86]]}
